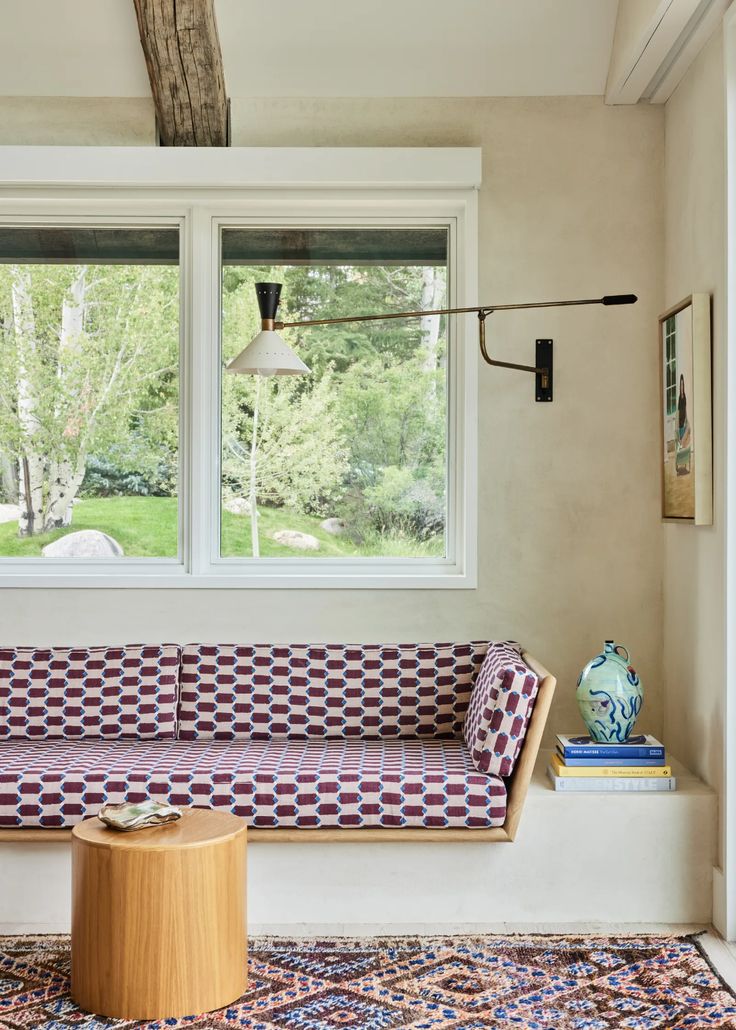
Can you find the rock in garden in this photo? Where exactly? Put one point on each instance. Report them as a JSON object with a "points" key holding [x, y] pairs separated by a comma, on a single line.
{"points": [[85, 543], [9, 512], [299, 541], [335, 527], [238, 506]]}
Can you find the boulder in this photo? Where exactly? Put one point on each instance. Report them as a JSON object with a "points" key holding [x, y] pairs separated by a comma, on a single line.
{"points": [[335, 527], [238, 506], [9, 512], [298, 541], [85, 543]]}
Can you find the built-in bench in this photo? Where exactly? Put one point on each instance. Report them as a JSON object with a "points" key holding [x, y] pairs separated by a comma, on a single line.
{"points": [[306, 742]]}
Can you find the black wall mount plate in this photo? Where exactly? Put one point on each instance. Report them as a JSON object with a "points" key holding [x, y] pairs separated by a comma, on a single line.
{"points": [[543, 359]]}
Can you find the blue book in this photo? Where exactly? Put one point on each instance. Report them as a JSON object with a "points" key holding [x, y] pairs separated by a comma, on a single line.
{"points": [[635, 750]]}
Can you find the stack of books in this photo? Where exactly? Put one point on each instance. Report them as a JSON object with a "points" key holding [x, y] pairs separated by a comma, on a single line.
{"points": [[582, 764]]}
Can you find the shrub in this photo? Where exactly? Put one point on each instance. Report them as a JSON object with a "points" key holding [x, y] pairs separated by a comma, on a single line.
{"points": [[401, 503], [128, 474]]}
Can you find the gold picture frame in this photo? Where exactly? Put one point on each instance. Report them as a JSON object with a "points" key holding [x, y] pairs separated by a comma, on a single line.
{"points": [[686, 416]]}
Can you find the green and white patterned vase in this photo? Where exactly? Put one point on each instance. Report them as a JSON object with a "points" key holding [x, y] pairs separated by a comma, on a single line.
{"points": [[609, 695]]}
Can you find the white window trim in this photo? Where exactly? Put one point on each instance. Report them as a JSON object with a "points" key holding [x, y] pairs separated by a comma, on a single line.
{"points": [[202, 190], [724, 878]]}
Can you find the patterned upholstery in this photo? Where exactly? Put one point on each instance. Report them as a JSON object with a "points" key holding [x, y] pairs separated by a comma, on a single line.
{"points": [[500, 706], [110, 692], [281, 783], [332, 690]]}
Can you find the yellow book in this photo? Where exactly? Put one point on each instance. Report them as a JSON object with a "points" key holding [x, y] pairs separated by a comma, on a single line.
{"points": [[560, 769]]}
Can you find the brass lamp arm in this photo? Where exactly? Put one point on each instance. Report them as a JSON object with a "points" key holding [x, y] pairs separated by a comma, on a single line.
{"points": [[485, 308], [542, 372]]}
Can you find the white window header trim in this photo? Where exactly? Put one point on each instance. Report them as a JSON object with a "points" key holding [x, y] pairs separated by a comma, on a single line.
{"points": [[241, 167]]}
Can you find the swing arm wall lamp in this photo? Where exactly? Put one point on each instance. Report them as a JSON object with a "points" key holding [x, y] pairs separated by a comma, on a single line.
{"points": [[269, 354]]}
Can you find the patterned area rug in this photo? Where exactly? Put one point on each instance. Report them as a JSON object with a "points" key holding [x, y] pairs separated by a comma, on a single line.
{"points": [[463, 983]]}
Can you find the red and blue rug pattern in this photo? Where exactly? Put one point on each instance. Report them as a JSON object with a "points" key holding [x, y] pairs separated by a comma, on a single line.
{"points": [[454, 983]]}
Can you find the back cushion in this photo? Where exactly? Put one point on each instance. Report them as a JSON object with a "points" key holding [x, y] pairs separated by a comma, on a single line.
{"points": [[329, 690], [110, 692], [500, 706]]}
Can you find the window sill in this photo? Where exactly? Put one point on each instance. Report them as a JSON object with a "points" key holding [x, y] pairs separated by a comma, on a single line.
{"points": [[434, 577]]}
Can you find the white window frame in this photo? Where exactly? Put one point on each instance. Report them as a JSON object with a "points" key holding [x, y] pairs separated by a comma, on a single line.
{"points": [[203, 191], [724, 877]]}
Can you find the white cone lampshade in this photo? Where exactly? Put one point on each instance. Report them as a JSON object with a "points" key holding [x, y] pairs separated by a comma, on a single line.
{"points": [[268, 355]]}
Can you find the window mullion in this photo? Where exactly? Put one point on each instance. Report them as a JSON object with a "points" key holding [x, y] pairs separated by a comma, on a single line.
{"points": [[201, 410]]}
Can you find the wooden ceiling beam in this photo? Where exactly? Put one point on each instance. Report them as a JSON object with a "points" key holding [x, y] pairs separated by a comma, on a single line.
{"points": [[184, 61]]}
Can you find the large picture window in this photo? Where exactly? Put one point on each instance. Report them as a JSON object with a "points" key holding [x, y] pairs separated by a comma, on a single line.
{"points": [[89, 392], [130, 456], [349, 461]]}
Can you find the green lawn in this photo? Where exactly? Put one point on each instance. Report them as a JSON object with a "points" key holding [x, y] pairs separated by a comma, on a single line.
{"points": [[146, 527]]}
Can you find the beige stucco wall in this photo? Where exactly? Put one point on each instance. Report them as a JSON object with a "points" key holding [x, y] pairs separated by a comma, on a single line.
{"points": [[88, 121], [570, 538], [694, 557]]}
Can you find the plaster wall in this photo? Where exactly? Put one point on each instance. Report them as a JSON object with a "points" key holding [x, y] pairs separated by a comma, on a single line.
{"points": [[570, 540], [694, 557], [88, 121]]}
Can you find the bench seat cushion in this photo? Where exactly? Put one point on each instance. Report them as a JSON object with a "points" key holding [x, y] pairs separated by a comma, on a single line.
{"points": [[272, 783]]}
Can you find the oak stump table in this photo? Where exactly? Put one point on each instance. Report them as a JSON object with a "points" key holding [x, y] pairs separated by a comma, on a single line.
{"points": [[158, 916]]}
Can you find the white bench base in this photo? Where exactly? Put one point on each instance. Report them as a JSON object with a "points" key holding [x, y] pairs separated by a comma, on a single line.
{"points": [[591, 859]]}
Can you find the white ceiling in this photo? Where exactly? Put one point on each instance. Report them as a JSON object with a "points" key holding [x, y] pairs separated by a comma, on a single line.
{"points": [[304, 48]]}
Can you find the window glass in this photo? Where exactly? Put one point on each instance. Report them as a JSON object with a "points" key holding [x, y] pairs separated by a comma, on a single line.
{"points": [[350, 460], [89, 392]]}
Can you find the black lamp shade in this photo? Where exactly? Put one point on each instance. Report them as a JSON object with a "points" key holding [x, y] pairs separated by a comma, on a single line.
{"points": [[268, 295]]}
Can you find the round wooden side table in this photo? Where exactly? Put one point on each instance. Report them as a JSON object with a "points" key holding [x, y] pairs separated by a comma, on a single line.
{"points": [[158, 916]]}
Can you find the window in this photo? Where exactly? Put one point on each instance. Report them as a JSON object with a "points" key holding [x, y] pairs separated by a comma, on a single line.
{"points": [[89, 392], [351, 460], [127, 453]]}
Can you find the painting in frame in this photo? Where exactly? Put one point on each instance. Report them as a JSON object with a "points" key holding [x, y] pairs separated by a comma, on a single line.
{"points": [[686, 413]]}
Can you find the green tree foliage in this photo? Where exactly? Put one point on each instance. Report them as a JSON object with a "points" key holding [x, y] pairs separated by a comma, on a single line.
{"points": [[301, 454], [88, 362], [89, 395], [381, 423]]}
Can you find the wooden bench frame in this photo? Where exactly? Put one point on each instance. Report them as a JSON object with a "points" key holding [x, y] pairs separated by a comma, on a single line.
{"points": [[517, 792]]}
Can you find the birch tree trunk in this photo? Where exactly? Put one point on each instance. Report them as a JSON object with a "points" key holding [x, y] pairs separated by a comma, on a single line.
{"points": [[429, 325], [66, 471], [253, 491], [63, 488], [31, 464]]}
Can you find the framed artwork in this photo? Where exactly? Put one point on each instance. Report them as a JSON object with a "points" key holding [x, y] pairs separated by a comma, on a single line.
{"points": [[686, 416]]}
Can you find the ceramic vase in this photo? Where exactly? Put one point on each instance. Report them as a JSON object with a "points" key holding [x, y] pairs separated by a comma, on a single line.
{"points": [[609, 695]]}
